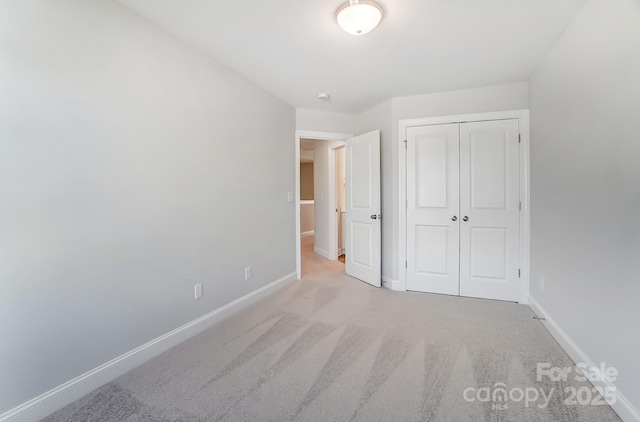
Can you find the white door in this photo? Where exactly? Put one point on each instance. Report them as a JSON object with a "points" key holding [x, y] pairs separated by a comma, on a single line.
{"points": [[463, 209], [489, 206], [363, 248], [432, 209]]}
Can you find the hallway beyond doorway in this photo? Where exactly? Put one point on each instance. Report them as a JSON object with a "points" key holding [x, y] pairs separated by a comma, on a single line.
{"points": [[313, 263]]}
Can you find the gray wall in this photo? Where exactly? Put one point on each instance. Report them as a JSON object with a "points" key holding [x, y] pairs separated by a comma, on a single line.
{"points": [[130, 169], [307, 218], [585, 189]]}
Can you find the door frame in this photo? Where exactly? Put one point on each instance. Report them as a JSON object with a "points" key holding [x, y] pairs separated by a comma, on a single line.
{"points": [[334, 158], [523, 125], [333, 229]]}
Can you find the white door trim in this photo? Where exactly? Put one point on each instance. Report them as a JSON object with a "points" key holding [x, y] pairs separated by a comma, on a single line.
{"points": [[523, 122], [321, 136], [332, 252], [333, 158]]}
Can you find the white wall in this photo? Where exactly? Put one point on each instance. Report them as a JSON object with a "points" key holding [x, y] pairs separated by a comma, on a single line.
{"points": [[512, 96], [322, 121], [585, 191], [122, 185]]}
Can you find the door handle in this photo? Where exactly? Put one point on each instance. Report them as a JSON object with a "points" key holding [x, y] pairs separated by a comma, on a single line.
{"points": [[376, 217], [454, 218], [465, 218]]}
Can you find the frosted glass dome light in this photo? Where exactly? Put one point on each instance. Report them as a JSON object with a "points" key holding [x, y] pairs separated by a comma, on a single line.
{"points": [[358, 17]]}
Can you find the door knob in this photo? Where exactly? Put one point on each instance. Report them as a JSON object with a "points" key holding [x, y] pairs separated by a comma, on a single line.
{"points": [[465, 218], [374, 217], [454, 218]]}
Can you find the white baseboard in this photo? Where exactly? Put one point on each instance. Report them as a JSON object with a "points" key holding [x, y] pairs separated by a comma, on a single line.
{"points": [[392, 284], [309, 233], [322, 253], [623, 407], [55, 399]]}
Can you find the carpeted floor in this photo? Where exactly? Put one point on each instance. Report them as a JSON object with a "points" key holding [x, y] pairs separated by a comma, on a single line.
{"points": [[331, 348]]}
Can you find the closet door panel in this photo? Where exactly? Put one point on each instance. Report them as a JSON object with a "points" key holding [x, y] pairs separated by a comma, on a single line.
{"points": [[489, 207], [432, 209]]}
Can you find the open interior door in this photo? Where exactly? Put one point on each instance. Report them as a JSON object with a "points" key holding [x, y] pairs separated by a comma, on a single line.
{"points": [[363, 234]]}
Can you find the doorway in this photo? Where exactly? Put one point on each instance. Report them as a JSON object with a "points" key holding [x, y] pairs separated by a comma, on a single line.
{"points": [[362, 191], [325, 204]]}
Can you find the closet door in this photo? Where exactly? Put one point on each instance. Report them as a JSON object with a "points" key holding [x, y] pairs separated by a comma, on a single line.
{"points": [[432, 209], [489, 210]]}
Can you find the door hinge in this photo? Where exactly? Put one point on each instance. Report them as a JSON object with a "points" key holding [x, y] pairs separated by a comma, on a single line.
{"points": [[519, 138], [405, 143], [520, 207], [518, 273], [406, 265]]}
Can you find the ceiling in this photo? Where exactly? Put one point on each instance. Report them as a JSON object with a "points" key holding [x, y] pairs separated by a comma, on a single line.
{"points": [[295, 50]]}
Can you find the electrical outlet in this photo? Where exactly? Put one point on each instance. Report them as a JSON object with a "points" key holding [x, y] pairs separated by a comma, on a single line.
{"points": [[541, 283], [197, 289], [247, 273]]}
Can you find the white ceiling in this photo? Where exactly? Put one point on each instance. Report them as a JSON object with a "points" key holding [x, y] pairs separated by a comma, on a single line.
{"points": [[295, 50]]}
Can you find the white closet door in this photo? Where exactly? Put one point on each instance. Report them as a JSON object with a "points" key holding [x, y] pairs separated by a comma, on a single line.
{"points": [[432, 209], [489, 210]]}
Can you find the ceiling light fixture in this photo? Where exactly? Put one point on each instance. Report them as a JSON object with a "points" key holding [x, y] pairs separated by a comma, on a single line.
{"points": [[358, 17]]}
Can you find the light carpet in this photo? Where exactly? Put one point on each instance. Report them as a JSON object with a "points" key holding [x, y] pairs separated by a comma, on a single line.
{"points": [[331, 348]]}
